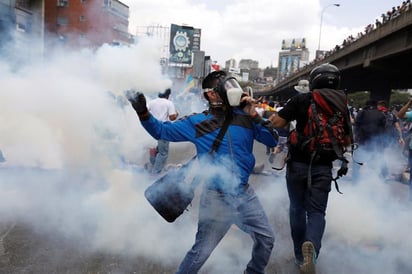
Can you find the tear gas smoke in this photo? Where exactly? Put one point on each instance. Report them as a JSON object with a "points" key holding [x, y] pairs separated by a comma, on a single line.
{"points": [[74, 145]]}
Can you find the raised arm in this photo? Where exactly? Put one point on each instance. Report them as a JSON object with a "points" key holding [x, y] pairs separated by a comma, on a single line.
{"points": [[402, 112]]}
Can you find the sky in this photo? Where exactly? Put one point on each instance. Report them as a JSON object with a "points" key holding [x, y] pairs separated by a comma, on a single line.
{"points": [[250, 29]]}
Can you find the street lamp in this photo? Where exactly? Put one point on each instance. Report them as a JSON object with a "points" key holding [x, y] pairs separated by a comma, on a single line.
{"points": [[321, 20]]}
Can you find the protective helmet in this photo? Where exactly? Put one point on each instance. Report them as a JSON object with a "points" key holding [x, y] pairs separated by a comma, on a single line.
{"points": [[324, 76], [210, 81]]}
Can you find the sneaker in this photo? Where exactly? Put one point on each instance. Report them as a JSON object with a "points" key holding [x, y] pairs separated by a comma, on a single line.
{"points": [[309, 258]]}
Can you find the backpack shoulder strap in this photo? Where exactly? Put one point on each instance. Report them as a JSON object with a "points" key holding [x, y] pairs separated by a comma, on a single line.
{"points": [[333, 100], [223, 129]]}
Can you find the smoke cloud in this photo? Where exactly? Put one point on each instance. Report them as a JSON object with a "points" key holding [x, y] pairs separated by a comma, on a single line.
{"points": [[75, 150]]}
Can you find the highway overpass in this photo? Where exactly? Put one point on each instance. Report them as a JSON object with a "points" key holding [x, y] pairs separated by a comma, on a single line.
{"points": [[377, 62]]}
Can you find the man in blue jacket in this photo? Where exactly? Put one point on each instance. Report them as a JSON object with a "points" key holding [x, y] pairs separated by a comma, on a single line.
{"points": [[226, 197]]}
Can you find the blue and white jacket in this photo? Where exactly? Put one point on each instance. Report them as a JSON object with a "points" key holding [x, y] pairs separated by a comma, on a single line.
{"points": [[234, 158]]}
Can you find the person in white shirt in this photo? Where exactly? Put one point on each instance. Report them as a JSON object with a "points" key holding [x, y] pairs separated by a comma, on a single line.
{"points": [[163, 109]]}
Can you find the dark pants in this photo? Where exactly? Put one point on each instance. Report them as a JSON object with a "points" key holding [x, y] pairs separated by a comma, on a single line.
{"points": [[217, 212], [307, 205]]}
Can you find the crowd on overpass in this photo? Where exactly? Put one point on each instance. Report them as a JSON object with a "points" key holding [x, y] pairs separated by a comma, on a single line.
{"points": [[386, 17]]}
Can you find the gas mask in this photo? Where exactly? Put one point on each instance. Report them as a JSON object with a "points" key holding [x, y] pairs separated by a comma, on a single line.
{"points": [[230, 91]]}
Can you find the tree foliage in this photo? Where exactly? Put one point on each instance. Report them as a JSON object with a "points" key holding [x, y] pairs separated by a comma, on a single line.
{"points": [[358, 99]]}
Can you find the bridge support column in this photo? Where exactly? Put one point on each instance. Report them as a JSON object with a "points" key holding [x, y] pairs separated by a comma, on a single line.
{"points": [[381, 89]]}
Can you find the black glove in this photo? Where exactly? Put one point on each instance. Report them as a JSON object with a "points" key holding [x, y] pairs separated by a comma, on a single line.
{"points": [[138, 101], [343, 169]]}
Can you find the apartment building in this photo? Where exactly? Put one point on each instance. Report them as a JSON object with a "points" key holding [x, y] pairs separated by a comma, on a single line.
{"points": [[86, 23], [36, 26]]}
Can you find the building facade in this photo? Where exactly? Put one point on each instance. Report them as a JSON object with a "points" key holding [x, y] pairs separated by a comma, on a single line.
{"points": [[291, 61], [33, 27], [86, 23], [21, 23], [248, 64]]}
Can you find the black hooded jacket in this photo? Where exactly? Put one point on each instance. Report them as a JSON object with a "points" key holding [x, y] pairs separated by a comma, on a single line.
{"points": [[369, 125]]}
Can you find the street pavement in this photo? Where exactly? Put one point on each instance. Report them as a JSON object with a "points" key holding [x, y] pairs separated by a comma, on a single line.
{"points": [[25, 249]]}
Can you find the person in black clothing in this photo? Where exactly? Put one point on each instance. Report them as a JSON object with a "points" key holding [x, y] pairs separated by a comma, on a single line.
{"points": [[369, 124], [369, 135], [308, 202]]}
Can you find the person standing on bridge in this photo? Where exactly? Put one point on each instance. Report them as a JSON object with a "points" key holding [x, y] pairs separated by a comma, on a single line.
{"points": [[226, 198], [308, 201]]}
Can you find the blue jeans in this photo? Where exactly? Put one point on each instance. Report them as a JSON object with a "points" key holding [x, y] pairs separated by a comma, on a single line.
{"points": [[161, 157], [217, 212], [307, 207]]}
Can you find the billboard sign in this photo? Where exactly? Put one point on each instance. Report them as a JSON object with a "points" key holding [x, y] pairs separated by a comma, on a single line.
{"points": [[181, 44], [288, 64], [295, 43]]}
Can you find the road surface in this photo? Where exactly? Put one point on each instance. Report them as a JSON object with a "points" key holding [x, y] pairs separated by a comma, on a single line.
{"points": [[27, 249]]}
